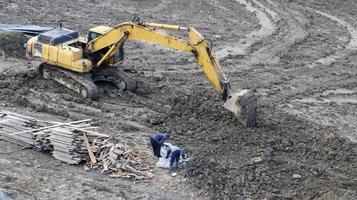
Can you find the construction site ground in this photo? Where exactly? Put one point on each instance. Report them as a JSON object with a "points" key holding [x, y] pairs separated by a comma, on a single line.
{"points": [[299, 56]]}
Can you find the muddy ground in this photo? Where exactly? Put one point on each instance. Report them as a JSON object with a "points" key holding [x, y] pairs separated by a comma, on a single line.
{"points": [[299, 56]]}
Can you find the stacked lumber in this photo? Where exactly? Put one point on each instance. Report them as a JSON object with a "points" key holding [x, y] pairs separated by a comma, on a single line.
{"points": [[13, 124], [42, 141], [67, 146], [74, 143]]}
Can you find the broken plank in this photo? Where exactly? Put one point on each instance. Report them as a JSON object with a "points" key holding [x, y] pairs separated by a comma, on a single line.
{"points": [[16, 114], [89, 149], [92, 133], [105, 163]]}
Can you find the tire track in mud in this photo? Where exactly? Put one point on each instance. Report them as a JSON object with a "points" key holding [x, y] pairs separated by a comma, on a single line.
{"points": [[352, 31], [273, 3], [313, 106], [267, 19], [160, 7], [352, 45], [268, 51], [288, 32]]}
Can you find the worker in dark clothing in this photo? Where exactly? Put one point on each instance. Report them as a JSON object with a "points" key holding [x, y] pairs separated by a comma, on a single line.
{"points": [[157, 140]]}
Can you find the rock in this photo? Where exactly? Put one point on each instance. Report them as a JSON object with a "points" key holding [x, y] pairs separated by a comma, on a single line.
{"points": [[86, 168], [193, 120], [256, 160], [296, 176], [155, 121], [158, 78], [62, 186], [149, 175], [189, 132], [167, 107]]}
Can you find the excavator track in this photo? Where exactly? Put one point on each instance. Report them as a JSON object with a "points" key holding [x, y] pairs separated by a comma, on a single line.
{"points": [[115, 76], [80, 83]]}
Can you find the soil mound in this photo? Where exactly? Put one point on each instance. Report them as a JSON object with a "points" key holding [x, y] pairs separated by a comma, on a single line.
{"points": [[12, 44]]}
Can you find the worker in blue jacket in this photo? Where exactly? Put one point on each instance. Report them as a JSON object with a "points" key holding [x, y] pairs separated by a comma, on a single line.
{"points": [[157, 140]]}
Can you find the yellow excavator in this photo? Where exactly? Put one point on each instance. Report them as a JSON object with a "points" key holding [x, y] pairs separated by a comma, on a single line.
{"points": [[79, 62]]}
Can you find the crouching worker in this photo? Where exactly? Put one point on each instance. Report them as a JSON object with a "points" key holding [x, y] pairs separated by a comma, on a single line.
{"points": [[157, 140], [174, 153]]}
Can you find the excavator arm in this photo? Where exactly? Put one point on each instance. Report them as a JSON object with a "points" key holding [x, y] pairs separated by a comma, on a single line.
{"points": [[242, 104], [150, 32]]}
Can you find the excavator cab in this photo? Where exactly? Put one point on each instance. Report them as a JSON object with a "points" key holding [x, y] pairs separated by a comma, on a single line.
{"points": [[97, 32]]}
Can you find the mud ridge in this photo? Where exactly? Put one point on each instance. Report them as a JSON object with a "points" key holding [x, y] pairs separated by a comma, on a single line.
{"points": [[267, 27]]}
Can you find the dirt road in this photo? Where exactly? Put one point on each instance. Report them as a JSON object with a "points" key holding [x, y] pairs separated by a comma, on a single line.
{"points": [[299, 56]]}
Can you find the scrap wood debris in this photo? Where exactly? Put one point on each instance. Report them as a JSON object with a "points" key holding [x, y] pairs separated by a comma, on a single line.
{"points": [[74, 143]]}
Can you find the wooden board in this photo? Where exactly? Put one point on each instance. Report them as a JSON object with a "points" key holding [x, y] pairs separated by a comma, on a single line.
{"points": [[89, 149]]}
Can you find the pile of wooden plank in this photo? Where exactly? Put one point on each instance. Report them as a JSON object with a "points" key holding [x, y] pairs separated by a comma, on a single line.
{"points": [[67, 146], [13, 124], [121, 161], [76, 142]]}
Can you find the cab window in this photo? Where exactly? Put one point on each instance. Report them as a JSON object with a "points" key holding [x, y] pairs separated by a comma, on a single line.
{"points": [[92, 36]]}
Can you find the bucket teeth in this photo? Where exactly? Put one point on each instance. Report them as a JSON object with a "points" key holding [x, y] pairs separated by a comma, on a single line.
{"points": [[244, 107]]}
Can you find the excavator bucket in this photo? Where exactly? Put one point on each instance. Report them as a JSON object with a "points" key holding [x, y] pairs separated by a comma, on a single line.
{"points": [[244, 106]]}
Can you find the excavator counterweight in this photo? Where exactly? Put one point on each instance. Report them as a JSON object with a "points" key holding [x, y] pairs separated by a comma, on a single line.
{"points": [[79, 62]]}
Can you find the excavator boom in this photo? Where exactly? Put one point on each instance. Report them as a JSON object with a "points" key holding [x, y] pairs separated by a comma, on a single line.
{"points": [[150, 32]]}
